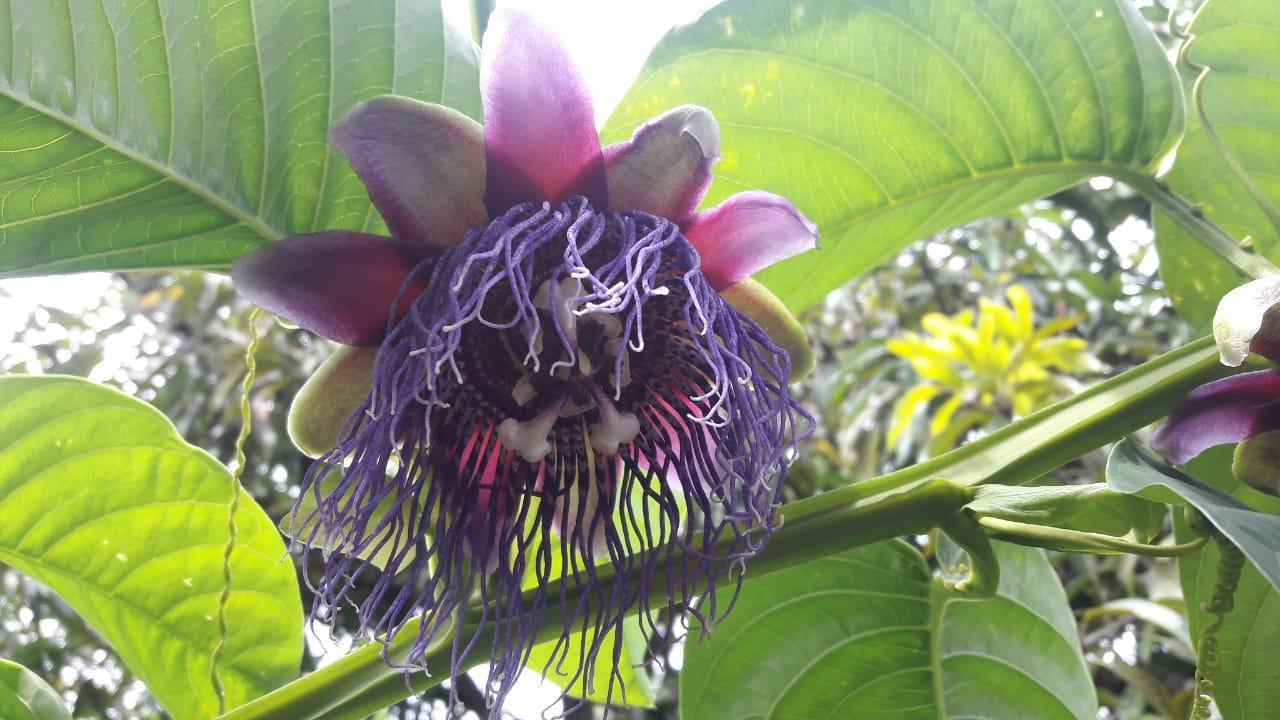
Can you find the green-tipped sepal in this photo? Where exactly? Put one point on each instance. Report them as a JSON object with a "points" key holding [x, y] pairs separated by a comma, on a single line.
{"points": [[329, 398], [758, 303]]}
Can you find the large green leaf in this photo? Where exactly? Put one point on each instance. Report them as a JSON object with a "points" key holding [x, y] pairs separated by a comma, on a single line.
{"points": [[1249, 641], [868, 633], [24, 696], [1257, 534], [888, 120], [103, 502], [1239, 40], [158, 133]]}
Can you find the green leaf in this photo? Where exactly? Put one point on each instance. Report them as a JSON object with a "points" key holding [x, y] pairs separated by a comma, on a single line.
{"points": [[1257, 534], [1249, 641], [886, 121], [182, 134], [104, 503], [1239, 40], [1092, 508], [24, 696], [868, 633]]}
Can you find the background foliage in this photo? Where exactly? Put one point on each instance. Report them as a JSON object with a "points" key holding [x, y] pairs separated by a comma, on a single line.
{"points": [[209, 139], [192, 332]]}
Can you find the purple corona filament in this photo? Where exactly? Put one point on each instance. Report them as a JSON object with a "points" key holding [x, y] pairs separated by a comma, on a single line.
{"points": [[567, 391]]}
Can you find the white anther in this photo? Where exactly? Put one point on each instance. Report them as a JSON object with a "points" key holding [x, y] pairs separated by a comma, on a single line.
{"points": [[613, 430], [528, 439]]}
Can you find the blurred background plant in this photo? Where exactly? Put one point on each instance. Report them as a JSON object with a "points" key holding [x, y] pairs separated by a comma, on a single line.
{"points": [[953, 338], [987, 367]]}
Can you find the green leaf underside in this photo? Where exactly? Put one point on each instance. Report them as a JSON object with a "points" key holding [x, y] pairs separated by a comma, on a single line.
{"points": [[868, 633], [886, 121], [1249, 641], [24, 696], [178, 133], [1257, 534], [1239, 40], [104, 503], [1089, 508]]}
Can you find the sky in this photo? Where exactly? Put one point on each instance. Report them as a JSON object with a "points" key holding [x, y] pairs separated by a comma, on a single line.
{"points": [[610, 39]]}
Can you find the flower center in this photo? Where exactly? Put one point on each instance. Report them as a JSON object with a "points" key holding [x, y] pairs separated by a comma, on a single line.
{"points": [[561, 313], [564, 373]]}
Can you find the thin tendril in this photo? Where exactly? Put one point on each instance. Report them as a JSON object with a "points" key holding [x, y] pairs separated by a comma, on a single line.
{"points": [[251, 367], [1230, 565]]}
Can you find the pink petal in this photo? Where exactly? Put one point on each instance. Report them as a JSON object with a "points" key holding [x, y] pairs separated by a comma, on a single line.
{"points": [[423, 164], [340, 285], [540, 133], [1224, 411], [746, 234], [665, 168]]}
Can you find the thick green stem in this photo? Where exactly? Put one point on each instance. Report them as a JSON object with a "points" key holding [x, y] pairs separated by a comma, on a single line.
{"points": [[480, 12], [984, 571], [910, 501], [1188, 216]]}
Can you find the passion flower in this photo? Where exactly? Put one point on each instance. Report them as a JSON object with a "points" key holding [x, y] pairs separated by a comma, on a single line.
{"points": [[1242, 407], [556, 365]]}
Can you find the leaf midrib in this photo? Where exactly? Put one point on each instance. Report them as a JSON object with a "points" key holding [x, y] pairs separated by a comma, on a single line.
{"points": [[171, 174]]}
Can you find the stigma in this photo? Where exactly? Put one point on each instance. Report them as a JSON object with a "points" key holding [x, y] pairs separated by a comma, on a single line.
{"points": [[589, 353]]}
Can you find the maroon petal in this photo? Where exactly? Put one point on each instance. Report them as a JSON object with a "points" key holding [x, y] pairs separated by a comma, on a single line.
{"points": [[539, 127], [340, 285], [1224, 411], [423, 165], [665, 168], [746, 234]]}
